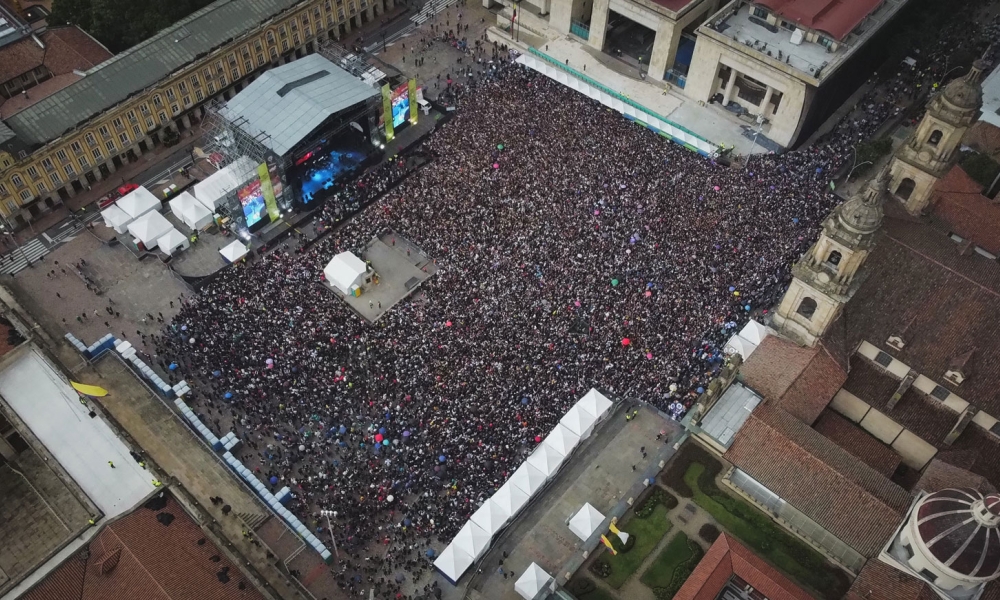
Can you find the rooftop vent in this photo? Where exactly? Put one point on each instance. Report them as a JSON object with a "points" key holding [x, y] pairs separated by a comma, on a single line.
{"points": [[959, 368]]}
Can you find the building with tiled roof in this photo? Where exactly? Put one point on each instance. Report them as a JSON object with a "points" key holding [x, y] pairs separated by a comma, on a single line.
{"points": [[970, 218], [857, 442], [879, 581], [730, 564], [46, 54], [157, 552]]}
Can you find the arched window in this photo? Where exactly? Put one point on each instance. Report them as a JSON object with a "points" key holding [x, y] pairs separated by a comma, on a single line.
{"points": [[905, 188], [807, 307], [834, 258], [935, 137]]}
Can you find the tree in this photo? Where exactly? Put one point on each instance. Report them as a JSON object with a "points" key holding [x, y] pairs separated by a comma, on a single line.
{"points": [[71, 12]]}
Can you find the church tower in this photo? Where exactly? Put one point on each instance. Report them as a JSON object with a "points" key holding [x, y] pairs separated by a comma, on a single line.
{"points": [[930, 151], [823, 277]]}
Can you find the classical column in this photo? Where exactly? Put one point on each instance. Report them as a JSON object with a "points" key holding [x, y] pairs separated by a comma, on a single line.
{"points": [[598, 23], [728, 95], [561, 15], [762, 109], [110, 165], [186, 121], [664, 50]]}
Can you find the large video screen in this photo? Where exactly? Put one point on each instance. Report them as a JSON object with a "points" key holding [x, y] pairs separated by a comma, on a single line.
{"points": [[400, 105], [252, 199]]}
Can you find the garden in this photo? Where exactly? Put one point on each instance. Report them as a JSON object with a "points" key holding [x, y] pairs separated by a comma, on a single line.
{"points": [[672, 566], [646, 528]]}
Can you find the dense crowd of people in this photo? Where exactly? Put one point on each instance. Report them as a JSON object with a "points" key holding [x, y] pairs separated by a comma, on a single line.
{"points": [[575, 250]]}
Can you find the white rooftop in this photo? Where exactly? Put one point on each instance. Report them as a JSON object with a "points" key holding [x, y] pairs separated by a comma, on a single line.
{"points": [[991, 99], [730, 413]]}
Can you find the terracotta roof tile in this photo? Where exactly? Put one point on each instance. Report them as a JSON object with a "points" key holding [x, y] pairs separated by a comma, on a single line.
{"points": [[963, 210], [66, 49], [939, 475], [728, 557], [774, 366], [834, 17], [852, 501], [879, 581], [858, 442], [812, 391], [984, 137]]}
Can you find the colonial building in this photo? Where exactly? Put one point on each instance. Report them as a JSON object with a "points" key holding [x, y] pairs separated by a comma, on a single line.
{"points": [[119, 109]]}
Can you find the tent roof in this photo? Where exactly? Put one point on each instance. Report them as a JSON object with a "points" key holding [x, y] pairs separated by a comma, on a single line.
{"points": [[149, 227], [578, 420], [586, 521], [171, 239], [115, 215], [510, 498], [234, 251], [187, 205], [138, 202], [527, 478], [288, 102], [224, 181], [562, 439], [491, 516], [532, 581], [472, 539], [753, 332], [595, 403], [546, 459], [453, 562], [343, 269], [740, 345]]}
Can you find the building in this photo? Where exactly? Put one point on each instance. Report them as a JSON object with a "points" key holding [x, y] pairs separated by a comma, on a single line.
{"points": [[39, 64], [121, 108]]}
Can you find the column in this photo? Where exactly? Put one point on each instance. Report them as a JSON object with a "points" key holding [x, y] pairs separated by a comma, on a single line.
{"points": [[389, 4], [598, 23], [69, 190], [664, 49], [97, 175], [110, 165], [561, 15], [371, 12], [728, 94], [186, 121], [544, 8], [763, 108], [136, 149]]}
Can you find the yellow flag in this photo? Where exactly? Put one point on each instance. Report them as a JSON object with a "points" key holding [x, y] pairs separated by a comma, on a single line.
{"points": [[614, 529], [608, 544], [89, 390]]}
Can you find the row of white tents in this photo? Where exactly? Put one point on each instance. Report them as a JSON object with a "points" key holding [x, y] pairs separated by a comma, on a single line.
{"points": [[746, 341], [474, 538], [138, 214]]}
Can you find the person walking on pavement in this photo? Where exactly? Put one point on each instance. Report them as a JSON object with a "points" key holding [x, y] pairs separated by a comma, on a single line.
{"points": [[111, 463]]}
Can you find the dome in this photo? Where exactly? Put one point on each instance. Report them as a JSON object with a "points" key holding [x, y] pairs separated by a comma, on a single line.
{"points": [[965, 92], [863, 211], [960, 530]]}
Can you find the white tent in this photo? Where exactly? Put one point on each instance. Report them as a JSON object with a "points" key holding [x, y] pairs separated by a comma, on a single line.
{"points": [[453, 562], [740, 345], [190, 211], [149, 228], [472, 539], [579, 421], [595, 403], [490, 516], [546, 459], [753, 332], [345, 270], [510, 498], [233, 252], [138, 202], [532, 582], [212, 190], [116, 218], [585, 522], [527, 478], [562, 439], [172, 240]]}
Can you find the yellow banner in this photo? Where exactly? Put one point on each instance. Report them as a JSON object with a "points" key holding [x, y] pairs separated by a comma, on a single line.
{"points": [[413, 101], [608, 544], [613, 529], [268, 190], [387, 112], [89, 390]]}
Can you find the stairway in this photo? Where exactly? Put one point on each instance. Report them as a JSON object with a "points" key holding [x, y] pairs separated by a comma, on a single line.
{"points": [[253, 520]]}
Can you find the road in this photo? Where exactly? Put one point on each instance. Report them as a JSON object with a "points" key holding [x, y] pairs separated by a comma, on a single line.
{"points": [[37, 247]]}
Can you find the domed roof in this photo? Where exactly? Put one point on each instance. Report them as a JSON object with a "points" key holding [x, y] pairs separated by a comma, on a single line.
{"points": [[863, 211], [965, 92], [960, 529]]}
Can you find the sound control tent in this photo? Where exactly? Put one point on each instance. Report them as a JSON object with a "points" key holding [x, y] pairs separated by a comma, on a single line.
{"points": [[234, 251], [586, 521], [740, 345], [345, 271], [532, 582], [753, 332]]}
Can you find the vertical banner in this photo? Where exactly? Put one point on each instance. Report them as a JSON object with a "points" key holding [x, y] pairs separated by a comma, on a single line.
{"points": [[387, 112], [413, 101], [268, 190]]}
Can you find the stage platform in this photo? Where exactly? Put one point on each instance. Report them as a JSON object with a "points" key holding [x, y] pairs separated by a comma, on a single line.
{"points": [[402, 267]]}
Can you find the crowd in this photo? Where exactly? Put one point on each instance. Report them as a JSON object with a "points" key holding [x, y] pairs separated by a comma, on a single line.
{"points": [[575, 250]]}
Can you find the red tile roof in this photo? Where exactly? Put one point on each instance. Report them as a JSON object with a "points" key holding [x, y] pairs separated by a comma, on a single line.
{"points": [[879, 581], [939, 475], [965, 211], [139, 558], [983, 137], [858, 442], [728, 557], [66, 49], [852, 501], [835, 17]]}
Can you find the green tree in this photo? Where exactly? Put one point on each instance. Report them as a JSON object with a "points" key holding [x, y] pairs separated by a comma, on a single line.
{"points": [[75, 12]]}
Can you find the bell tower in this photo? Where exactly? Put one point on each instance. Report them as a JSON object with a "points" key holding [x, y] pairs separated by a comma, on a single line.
{"points": [[823, 277], [930, 150]]}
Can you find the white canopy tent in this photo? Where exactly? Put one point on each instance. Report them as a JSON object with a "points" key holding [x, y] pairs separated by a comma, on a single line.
{"points": [[491, 517], [753, 332], [233, 252], [173, 240], [510, 498], [149, 228], [740, 345], [472, 539], [138, 202], [586, 521], [531, 583], [579, 421], [595, 403], [116, 218], [212, 190], [190, 211], [546, 459], [562, 439], [344, 271], [527, 478], [452, 562]]}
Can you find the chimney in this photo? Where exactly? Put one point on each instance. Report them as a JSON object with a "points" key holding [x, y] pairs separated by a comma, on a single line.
{"points": [[960, 368]]}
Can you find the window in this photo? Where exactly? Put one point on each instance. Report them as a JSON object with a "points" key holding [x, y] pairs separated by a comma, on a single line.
{"points": [[163, 117], [931, 577], [329, 6], [171, 96], [175, 109], [104, 131], [788, 25], [11, 206], [985, 253], [62, 156], [47, 164], [91, 140], [209, 76], [98, 154], [273, 52], [245, 52], [130, 115], [70, 171], [232, 59], [247, 65], [284, 45], [260, 60], [33, 173], [3, 189], [117, 122], [807, 307], [183, 87], [236, 74], [123, 138], [144, 109], [940, 393], [56, 179], [76, 147], [270, 37], [137, 132], [42, 189], [282, 33], [84, 162], [157, 101], [825, 41], [25, 195], [307, 31], [218, 67], [16, 180], [295, 39], [186, 100], [110, 145], [257, 46], [834, 258], [883, 359], [905, 188], [195, 82], [211, 85], [150, 124], [935, 137], [223, 82], [199, 95], [340, 14], [760, 13]]}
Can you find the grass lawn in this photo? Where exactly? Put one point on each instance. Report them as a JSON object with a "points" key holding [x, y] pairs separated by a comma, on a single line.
{"points": [[662, 568], [798, 560], [648, 532]]}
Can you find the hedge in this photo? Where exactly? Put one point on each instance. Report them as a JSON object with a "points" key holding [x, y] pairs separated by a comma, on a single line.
{"points": [[673, 475], [709, 533]]}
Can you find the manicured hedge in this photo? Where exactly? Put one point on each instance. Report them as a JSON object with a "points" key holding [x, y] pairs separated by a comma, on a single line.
{"points": [[673, 475]]}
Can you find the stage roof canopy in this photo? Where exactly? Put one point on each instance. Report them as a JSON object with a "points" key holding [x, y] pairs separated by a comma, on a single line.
{"points": [[288, 102]]}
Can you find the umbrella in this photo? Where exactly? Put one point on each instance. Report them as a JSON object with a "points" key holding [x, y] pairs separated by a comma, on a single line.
{"points": [[406, 433], [302, 448], [385, 442], [274, 480], [442, 458], [381, 430], [228, 395], [430, 553], [499, 146], [626, 341], [614, 283], [406, 523], [378, 437], [524, 400], [173, 366], [496, 165], [399, 578], [216, 373]]}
